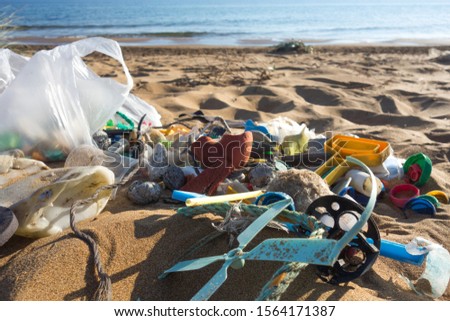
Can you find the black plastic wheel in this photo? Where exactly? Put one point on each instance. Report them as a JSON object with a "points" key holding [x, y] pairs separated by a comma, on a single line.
{"points": [[339, 214]]}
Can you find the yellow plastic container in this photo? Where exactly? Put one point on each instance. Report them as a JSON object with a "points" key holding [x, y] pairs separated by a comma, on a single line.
{"points": [[351, 147], [369, 151]]}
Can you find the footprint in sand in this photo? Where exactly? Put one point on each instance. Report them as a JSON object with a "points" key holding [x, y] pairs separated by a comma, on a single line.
{"points": [[439, 135], [139, 73], [341, 84], [245, 114], [258, 90], [275, 105], [318, 96], [359, 116], [213, 103], [391, 105]]}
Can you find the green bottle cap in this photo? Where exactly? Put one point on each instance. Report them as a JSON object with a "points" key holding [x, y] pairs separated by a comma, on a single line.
{"points": [[425, 164]]}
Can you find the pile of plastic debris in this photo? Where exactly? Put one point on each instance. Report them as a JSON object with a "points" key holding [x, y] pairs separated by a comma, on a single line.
{"points": [[279, 174]]}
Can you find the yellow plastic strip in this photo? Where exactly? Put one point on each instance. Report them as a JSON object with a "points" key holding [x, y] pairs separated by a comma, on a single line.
{"points": [[222, 198]]}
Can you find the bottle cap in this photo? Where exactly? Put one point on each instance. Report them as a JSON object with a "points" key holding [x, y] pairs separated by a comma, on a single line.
{"points": [[421, 206], [440, 195], [402, 193], [411, 169]]}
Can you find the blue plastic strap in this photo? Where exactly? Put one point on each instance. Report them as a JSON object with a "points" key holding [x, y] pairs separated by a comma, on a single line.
{"points": [[273, 197]]}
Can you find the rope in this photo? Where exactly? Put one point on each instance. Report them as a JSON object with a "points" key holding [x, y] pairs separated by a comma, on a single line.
{"points": [[216, 119], [305, 221], [280, 281], [104, 290]]}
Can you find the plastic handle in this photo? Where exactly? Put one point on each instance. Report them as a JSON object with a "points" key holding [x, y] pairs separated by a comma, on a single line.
{"points": [[108, 47], [351, 234], [397, 251]]}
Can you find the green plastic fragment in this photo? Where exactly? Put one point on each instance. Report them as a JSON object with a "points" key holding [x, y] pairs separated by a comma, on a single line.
{"points": [[10, 141], [433, 200], [128, 126]]}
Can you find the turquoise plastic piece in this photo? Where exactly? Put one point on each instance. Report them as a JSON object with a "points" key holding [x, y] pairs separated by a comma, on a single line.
{"points": [[10, 141], [128, 126]]}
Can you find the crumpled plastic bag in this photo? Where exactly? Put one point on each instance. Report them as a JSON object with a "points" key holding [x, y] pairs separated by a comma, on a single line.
{"points": [[280, 127], [53, 102], [135, 108], [434, 280]]}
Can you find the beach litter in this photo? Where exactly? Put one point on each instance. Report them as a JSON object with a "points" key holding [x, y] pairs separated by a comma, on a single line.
{"points": [[351, 250], [301, 251], [8, 224], [305, 187], [42, 201], [293, 46], [279, 173], [435, 278]]}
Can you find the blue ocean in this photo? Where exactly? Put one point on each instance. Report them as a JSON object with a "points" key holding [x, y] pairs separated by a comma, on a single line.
{"points": [[232, 22]]}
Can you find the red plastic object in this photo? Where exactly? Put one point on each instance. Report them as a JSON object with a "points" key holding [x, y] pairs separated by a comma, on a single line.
{"points": [[401, 194], [220, 159], [414, 173]]}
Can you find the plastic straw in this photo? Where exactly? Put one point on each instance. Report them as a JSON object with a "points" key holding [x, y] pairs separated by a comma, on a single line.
{"points": [[222, 198]]}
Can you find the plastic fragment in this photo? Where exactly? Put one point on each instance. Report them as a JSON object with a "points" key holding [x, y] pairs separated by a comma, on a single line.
{"points": [[434, 280]]}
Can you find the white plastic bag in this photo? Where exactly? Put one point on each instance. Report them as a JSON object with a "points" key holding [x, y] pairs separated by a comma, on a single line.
{"points": [[10, 65], [54, 102], [135, 108]]}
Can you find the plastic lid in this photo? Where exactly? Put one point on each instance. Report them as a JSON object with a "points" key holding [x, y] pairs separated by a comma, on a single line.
{"points": [[421, 206], [425, 164], [402, 193], [440, 195], [432, 199]]}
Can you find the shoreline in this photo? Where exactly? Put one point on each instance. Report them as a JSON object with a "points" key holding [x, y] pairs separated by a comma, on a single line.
{"points": [[174, 41], [176, 50]]}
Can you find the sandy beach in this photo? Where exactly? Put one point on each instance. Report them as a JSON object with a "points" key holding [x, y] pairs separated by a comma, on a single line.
{"points": [[397, 94]]}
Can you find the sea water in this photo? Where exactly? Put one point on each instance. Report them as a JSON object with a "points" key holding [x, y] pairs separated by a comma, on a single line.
{"points": [[233, 22]]}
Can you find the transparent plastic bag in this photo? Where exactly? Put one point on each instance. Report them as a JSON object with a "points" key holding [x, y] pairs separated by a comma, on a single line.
{"points": [[435, 278], [89, 156], [53, 101], [135, 108], [86, 155]]}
